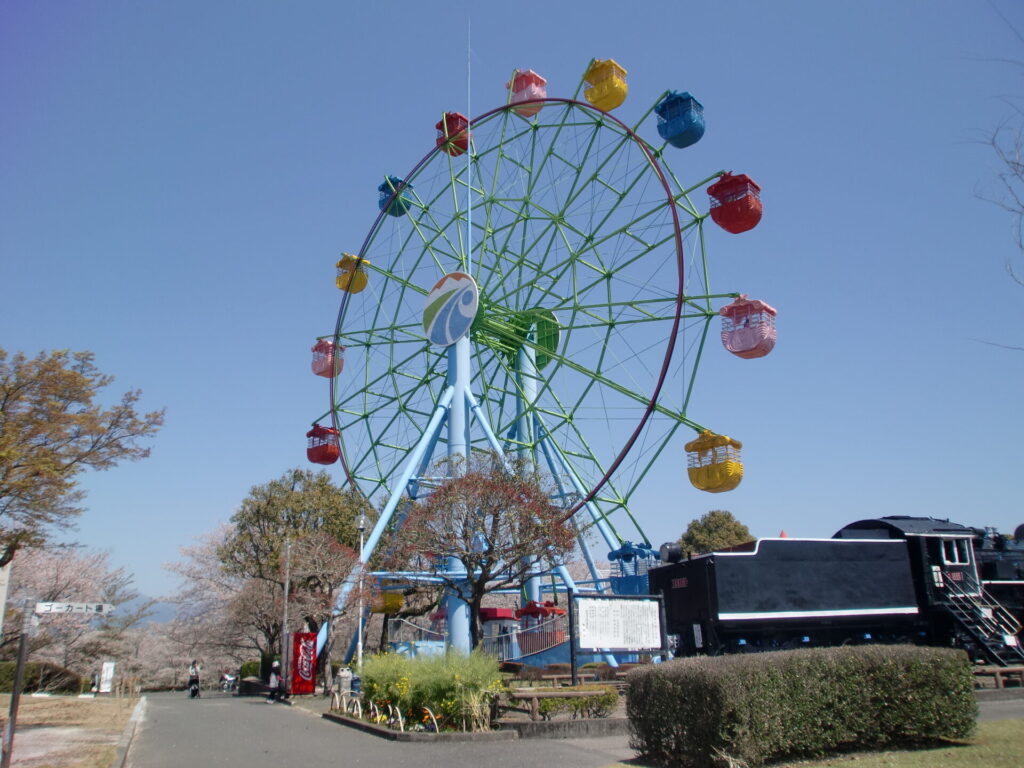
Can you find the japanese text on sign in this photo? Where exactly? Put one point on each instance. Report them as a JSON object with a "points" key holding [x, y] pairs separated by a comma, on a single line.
{"points": [[618, 624], [97, 608]]}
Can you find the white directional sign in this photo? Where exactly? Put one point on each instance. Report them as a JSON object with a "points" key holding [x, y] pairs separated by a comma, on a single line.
{"points": [[94, 608]]}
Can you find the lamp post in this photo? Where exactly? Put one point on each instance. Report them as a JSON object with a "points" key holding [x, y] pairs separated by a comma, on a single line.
{"points": [[285, 660], [361, 523]]}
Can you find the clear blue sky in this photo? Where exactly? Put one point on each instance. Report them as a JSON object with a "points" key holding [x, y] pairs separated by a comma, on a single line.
{"points": [[177, 179]]}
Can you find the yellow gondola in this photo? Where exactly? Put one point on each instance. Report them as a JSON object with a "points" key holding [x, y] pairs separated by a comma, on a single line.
{"points": [[607, 81], [713, 462], [351, 273], [388, 602]]}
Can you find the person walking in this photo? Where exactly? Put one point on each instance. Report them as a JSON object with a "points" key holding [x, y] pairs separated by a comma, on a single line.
{"points": [[193, 679], [275, 683]]}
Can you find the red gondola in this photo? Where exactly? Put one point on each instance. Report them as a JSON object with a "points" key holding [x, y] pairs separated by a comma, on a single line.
{"points": [[322, 446], [735, 203], [452, 135]]}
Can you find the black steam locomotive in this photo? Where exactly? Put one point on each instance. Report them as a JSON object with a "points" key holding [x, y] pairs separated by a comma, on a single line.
{"points": [[891, 579]]}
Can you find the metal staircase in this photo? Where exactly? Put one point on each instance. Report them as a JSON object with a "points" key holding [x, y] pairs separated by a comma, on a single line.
{"points": [[994, 628]]}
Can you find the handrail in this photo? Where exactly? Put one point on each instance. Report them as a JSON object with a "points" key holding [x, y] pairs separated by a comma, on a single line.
{"points": [[525, 642], [999, 620]]}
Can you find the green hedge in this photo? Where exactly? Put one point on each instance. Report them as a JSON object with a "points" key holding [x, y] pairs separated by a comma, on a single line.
{"points": [[41, 676], [704, 712], [250, 668], [601, 704]]}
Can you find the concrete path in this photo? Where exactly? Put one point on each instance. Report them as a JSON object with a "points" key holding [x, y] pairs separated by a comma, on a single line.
{"points": [[249, 733]]}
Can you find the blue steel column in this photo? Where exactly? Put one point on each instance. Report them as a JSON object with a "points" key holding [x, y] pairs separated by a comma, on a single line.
{"points": [[457, 610], [526, 366]]}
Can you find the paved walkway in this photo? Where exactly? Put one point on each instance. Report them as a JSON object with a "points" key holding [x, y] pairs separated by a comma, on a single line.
{"points": [[249, 733]]}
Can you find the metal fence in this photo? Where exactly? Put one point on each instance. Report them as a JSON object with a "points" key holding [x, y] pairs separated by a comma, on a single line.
{"points": [[523, 642]]}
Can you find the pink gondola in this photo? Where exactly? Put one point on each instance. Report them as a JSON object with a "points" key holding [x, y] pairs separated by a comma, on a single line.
{"points": [[322, 446], [328, 359], [748, 327], [527, 86]]}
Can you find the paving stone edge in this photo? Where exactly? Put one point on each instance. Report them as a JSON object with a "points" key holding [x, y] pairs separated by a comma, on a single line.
{"points": [[427, 738], [125, 742]]}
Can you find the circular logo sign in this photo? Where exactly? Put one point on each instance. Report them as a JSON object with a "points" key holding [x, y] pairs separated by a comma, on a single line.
{"points": [[451, 308]]}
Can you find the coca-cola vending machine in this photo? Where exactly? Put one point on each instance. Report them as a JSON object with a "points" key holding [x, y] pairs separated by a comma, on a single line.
{"points": [[303, 672]]}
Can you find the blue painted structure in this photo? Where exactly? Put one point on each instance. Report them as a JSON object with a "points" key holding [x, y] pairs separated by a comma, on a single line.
{"points": [[680, 119], [401, 203]]}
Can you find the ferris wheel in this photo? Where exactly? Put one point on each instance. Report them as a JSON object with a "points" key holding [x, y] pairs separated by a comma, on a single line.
{"points": [[538, 284]]}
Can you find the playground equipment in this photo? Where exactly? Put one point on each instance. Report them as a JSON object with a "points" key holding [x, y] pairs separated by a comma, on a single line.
{"points": [[536, 286]]}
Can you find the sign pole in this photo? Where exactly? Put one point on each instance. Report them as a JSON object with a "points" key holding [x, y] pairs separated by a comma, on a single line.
{"points": [[19, 679], [286, 671], [663, 628], [572, 636]]}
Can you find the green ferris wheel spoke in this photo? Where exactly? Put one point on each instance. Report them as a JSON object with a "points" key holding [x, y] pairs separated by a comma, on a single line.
{"points": [[573, 241]]}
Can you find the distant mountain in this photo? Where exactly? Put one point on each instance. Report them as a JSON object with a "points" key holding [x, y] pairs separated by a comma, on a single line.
{"points": [[159, 612]]}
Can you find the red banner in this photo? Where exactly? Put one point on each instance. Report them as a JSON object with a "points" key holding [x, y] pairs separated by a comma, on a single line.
{"points": [[303, 676]]}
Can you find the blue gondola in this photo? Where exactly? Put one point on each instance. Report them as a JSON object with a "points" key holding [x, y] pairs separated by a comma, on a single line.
{"points": [[400, 205], [680, 119]]}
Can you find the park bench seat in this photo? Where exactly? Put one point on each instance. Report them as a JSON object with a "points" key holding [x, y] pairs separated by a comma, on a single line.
{"points": [[999, 675], [534, 695]]}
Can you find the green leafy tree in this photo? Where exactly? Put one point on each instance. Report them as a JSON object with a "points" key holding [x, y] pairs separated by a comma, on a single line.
{"points": [[716, 530], [297, 504], [318, 519], [51, 430], [499, 522]]}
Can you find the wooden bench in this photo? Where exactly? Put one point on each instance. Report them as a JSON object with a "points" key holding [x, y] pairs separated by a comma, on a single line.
{"points": [[566, 679], [534, 695], [999, 675]]}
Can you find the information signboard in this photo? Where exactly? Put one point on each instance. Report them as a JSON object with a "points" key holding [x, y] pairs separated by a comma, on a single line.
{"points": [[107, 677], [619, 623], [44, 608]]}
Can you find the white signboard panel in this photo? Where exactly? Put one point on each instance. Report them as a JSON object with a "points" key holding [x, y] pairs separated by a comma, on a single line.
{"points": [[43, 608], [107, 677], [626, 625]]}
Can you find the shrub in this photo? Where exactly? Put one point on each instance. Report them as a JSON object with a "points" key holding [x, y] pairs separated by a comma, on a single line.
{"points": [[458, 689], [601, 704], [604, 671], [531, 673], [41, 676], [250, 668], [806, 703], [387, 679]]}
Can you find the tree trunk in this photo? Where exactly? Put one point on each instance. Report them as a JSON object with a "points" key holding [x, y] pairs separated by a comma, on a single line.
{"points": [[475, 633]]}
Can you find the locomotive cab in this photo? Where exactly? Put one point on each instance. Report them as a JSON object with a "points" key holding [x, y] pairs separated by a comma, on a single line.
{"points": [[941, 555], [949, 588]]}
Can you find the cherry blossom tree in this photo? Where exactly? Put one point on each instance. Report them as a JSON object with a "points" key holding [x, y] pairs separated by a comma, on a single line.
{"points": [[68, 574], [495, 518]]}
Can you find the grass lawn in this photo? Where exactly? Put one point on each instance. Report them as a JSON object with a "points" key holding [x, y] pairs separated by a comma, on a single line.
{"points": [[998, 744], [89, 731]]}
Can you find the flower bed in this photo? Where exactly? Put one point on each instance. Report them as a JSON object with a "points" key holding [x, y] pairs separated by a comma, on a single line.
{"points": [[454, 692]]}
